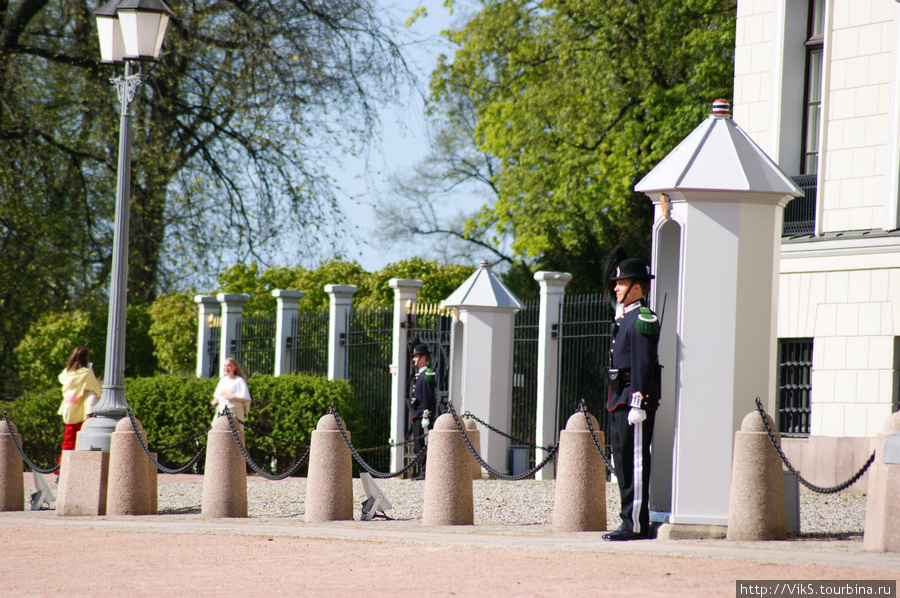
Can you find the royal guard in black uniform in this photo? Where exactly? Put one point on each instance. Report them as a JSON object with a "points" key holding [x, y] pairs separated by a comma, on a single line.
{"points": [[422, 404], [633, 395]]}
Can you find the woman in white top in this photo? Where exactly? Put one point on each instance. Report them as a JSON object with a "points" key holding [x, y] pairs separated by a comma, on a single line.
{"points": [[232, 392]]}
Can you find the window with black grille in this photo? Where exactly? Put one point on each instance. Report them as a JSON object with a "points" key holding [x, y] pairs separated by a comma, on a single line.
{"points": [[794, 385]]}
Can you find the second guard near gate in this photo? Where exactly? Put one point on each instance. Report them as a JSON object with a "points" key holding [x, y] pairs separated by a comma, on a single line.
{"points": [[422, 404]]}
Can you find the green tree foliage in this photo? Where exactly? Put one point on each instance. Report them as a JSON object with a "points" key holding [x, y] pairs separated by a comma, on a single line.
{"points": [[232, 131], [173, 330], [43, 352], [259, 284], [439, 280], [577, 100]]}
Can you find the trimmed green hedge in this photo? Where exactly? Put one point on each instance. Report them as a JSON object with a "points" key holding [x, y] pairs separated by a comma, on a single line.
{"points": [[284, 412], [41, 428]]}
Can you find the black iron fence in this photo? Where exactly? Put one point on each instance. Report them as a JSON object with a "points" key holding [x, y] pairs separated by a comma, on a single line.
{"points": [[369, 346], [254, 346], [308, 343], [524, 392], [429, 324], [213, 345], [584, 335]]}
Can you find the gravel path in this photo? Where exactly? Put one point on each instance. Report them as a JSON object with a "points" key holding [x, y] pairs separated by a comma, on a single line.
{"points": [[527, 502]]}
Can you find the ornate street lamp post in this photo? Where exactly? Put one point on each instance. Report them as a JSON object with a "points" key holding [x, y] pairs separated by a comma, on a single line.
{"points": [[130, 31]]}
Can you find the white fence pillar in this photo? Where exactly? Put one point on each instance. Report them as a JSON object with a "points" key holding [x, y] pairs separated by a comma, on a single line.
{"points": [[341, 298], [288, 302], [405, 291], [232, 308], [207, 311], [553, 285]]}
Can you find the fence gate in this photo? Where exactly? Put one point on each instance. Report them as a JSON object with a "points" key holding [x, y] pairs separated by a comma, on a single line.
{"points": [[212, 346], [254, 347], [584, 335], [524, 392], [308, 343], [369, 344], [430, 325]]}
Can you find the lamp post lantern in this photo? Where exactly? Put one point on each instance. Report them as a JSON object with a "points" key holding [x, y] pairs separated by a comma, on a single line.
{"points": [[129, 30]]}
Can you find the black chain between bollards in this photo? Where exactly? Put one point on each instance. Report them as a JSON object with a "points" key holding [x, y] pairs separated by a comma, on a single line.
{"points": [[147, 452], [516, 441], [25, 458], [180, 442], [502, 476], [583, 407], [790, 467], [374, 472], [390, 445], [262, 473]]}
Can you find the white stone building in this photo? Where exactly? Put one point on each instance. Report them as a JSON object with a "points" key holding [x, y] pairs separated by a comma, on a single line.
{"points": [[817, 86]]}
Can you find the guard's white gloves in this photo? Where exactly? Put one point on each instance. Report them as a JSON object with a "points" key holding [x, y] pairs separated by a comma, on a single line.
{"points": [[636, 416]]}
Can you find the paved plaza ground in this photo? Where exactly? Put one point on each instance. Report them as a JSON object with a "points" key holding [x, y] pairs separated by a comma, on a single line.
{"points": [[184, 554]]}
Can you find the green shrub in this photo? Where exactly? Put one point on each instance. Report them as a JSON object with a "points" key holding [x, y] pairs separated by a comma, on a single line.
{"points": [[42, 354], [41, 428], [284, 412]]}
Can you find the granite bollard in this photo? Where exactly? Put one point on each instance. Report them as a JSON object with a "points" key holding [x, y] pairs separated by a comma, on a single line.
{"points": [[449, 497], [128, 489], [225, 475], [579, 503], [882, 531], [83, 483], [12, 486], [153, 481], [474, 438], [756, 502], [329, 483]]}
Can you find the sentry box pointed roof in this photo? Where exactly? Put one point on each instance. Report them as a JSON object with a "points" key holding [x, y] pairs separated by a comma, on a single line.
{"points": [[718, 156], [483, 289]]}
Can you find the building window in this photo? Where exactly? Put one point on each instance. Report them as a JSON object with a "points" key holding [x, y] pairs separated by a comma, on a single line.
{"points": [[794, 385], [813, 93]]}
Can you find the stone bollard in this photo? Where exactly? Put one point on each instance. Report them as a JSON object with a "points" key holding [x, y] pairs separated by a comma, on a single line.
{"points": [[579, 503], [153, 481], [882, 531], [756, 503], [329, 483], [83, 483], [225, 476], [128, 488], [475, 438], [12, 485], [448, 479]]}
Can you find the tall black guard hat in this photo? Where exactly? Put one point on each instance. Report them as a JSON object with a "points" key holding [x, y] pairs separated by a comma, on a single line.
{"points": [[634, 269], [422, 349]]}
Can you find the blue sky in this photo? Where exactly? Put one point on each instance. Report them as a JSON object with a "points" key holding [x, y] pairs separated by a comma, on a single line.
{"points": [[404, 141]]}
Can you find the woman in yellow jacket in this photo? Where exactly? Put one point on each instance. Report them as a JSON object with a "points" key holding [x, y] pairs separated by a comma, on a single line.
{"points": [[81, 392]]}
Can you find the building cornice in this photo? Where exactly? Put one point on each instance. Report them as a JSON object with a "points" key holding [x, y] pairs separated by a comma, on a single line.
{"points": [[843, 244]]}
